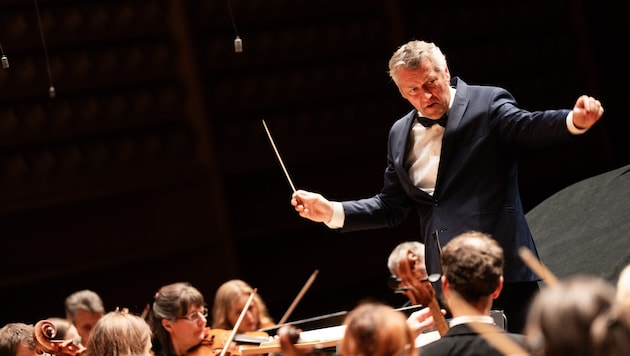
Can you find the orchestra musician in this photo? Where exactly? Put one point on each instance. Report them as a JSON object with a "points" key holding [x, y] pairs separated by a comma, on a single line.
{"points": [[579, 315], [417, 248], [178, 319], [119, 333], [16, 339], [83, 309], [229, 301], [472, 267]]}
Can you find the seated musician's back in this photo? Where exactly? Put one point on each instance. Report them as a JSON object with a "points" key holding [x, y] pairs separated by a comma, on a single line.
{"points": [[472, 277]]}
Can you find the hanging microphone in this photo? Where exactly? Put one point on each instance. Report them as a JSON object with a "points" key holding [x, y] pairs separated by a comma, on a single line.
{"points": [[238, 43], [4, 59]]}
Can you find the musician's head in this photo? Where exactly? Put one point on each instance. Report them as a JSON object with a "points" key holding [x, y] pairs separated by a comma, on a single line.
{"points": [[84, 308], [415, 247], [119, 333], [229, 301], [578, 316], [178, 317], [472, 267], [16, 339], [377, 329]]}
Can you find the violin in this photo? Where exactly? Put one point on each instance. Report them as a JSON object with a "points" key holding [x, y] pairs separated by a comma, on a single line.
{"points": [[419, 290], [216, 339], [43, 335]]}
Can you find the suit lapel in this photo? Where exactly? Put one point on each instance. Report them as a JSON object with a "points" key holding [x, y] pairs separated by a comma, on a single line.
{"points": [[460, 102]]}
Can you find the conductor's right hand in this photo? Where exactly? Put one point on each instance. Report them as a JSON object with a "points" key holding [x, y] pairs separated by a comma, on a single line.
{"points": [[312, 206]]}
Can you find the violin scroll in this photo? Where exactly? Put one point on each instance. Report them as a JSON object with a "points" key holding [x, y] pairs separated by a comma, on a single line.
{"points": [[44, 334]]}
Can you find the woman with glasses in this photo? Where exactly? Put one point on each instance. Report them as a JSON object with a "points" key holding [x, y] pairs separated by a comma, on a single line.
{"points": [[229, 301], [178, 319]]}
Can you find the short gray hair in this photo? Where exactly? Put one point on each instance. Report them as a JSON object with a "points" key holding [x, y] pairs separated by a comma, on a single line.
{"points": [[411, 54]]}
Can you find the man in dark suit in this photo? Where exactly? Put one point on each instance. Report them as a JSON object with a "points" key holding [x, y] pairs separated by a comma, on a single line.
{"points": [[472, 267], [459, 174]]}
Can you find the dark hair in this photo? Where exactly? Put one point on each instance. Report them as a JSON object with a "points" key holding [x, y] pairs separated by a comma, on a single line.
{"points": [[472, 263], [171, 302]]}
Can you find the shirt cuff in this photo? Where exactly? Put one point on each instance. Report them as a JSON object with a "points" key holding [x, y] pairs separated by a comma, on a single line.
{"points": [[338, 217], [572, 128]]}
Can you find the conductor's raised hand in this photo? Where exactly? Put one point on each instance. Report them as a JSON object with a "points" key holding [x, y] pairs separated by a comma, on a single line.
{"points": [[587, 111], [312, 206]]}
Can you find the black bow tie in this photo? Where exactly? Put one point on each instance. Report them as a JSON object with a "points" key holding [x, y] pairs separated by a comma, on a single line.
{"points": [[426, 122]]}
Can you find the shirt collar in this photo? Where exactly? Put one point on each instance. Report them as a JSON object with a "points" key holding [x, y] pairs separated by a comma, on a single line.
{"points": [[465, 319]]}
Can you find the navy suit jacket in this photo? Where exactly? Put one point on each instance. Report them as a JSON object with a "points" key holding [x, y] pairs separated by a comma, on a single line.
{"points": [[477, 179], [461, 340]]}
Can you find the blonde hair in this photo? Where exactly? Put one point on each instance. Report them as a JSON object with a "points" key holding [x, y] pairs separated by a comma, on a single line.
{"points": [[224, 300], [375, 329], [119, 333]]}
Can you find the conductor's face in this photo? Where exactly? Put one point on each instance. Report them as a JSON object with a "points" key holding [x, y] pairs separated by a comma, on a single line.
{"points": [[426, 88]]}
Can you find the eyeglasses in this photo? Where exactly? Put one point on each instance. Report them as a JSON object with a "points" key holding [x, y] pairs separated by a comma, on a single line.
{"points": [[194, 316]]}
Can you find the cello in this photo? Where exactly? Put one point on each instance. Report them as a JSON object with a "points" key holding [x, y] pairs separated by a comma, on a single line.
{"points": [[419, 290]]}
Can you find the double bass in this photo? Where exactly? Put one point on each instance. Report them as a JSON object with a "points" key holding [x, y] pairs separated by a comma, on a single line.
{"points": [[418, 289]]}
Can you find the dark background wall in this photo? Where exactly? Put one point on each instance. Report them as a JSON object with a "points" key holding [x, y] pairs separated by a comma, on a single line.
{"points": [[151, 164]]}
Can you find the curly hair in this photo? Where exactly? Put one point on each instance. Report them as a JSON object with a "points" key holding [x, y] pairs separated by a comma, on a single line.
{"points": [[473, 263]]}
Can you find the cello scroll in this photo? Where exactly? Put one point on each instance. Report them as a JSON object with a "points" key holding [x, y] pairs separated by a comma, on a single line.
{"points": [[43, 335]]}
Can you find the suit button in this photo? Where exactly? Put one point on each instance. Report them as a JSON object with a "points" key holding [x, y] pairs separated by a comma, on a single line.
{"points": [[436, 203]]}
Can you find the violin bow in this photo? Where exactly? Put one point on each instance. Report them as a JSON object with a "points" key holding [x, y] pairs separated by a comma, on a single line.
{"points": [[306, 286], [238, 322], [532, 262], [146, 311], [278, 155]]}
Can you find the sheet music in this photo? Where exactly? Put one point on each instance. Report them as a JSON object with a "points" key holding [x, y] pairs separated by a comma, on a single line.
{"points": [[324, 334], [427, 338]]}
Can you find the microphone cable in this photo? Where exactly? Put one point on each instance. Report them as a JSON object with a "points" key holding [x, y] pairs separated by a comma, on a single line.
{"points": [[238, 43], [51, 89]]}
